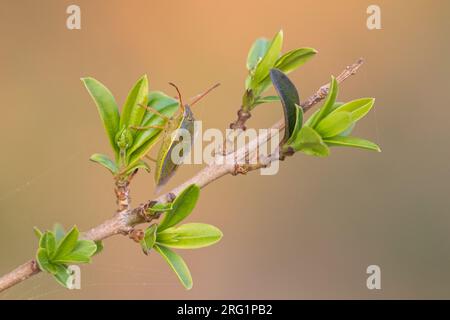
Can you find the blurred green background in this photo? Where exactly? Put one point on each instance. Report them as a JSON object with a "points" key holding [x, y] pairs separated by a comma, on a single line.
{"points": [[308, 232]]}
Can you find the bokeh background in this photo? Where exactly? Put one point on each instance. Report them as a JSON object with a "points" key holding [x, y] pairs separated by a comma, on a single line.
{"points": [[308, 232]]}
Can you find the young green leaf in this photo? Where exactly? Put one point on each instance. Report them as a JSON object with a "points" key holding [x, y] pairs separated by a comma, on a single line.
{"points": [[177, 264], [358, 108], [62, 275], [294, 59], [268, 99], [81, 253], [37, 232], [310, 142], [107, 108], [189, 236], [181, 207], [44, 262], [104, 161], [334, 124], [351, 142], [133, 112], [67, 244], [257, 52], [289, 99], [48, 242], [268, 61], [289, 62], [327, 105], [149, 238]]}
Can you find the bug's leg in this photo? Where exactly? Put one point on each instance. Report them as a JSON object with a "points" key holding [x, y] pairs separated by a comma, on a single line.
{"points": [[147, 127], [150, 158], [154, 111], [200, 96]]}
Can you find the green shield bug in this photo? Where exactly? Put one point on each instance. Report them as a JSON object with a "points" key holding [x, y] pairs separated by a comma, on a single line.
{"points": [[182, 120]]}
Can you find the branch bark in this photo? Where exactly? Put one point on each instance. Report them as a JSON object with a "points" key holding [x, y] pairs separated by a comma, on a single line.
{"points": [[125, 220]]}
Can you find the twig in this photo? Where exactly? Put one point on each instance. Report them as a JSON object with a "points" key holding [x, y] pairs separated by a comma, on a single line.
{"points": [[124, 221]]}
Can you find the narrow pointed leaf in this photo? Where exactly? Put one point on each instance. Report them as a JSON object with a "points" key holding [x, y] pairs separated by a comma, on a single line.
{"points": [[132, 112], [298, 124], [334, 124], [267, 99], [352, 142], [44, 262], [81, 253], [189, 236], [269, 59], [104, 161], [67, 244], [177, 264], [289, 99], [106, 106], [257, 51], [310, 142], [62, 275], [48, 242], [37, 232], [149, 238], [358, 108], [294, 59], [181, 207]]}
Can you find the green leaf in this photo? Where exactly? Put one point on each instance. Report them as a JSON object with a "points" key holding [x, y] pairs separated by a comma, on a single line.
{"points": [[294, 59], [62, 275], [298, 123], [81, 253], [104, 161], [43, 261], [268, 99], [149, 238], [48, 242], [310, 142], [257, 51], [67, 244], [132, 111], [181, 207], [100, 247], [334, 124], [327, 105], [289, 62], [358, 108], [177, 264], [37, 232], [289, 99], [352, 142], [189, 236], [106, 106], [59, 232], [268, 61]]}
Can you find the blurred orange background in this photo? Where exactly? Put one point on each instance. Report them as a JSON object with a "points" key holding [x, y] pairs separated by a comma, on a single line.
{"points": [[308, 232]]}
